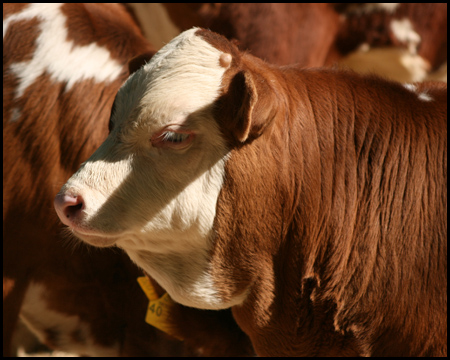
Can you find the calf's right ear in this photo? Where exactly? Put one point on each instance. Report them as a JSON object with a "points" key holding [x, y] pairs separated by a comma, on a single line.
{"points": [[138, 61], [248, 106]]}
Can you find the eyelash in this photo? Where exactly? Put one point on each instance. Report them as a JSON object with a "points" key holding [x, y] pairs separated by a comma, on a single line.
{"points": [[174, 137]]}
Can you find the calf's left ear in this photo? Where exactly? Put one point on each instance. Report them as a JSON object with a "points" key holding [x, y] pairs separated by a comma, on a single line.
{"points": [[249, 106], [138, 61]]}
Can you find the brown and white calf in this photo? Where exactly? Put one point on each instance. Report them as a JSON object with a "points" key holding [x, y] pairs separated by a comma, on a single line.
{"points": [[312, 202]]}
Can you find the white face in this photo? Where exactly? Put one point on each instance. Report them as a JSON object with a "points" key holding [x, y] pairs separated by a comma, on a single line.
{"points": [[152, 186]]}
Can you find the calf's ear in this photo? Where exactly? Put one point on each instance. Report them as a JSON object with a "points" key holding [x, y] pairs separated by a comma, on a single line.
{"points": [[138, 61], [248, 106]]}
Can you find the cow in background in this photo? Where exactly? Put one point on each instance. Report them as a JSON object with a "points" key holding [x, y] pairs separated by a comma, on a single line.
{"points": [[404, 42]]}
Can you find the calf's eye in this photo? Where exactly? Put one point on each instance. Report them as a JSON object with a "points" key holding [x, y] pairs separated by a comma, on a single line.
{"points": [[175, 139]]}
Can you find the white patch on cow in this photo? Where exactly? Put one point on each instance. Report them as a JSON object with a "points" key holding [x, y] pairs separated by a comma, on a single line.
{"points": [[404, 32], [159, 204], [39, 317], [394, 63], [368, 8], [62, 59], [425, 97], [410, 87], [422, 96]]}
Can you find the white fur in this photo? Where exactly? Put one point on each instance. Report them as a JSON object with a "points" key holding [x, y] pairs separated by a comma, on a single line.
{"points": [[368, 8], [422, 96], [37, 315], [159, 204], [63, 60], [404, 32], [410, 87], [425, 97]]}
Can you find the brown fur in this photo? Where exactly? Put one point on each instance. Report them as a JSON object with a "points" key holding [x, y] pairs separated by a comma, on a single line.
{"points": [[333, 213]]}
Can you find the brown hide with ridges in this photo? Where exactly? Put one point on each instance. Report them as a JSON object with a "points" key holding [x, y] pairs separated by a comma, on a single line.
{"points": [[333, 217]]}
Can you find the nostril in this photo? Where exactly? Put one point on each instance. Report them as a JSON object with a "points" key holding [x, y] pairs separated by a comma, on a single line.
{"points": [[68, 207], [72, 210]]}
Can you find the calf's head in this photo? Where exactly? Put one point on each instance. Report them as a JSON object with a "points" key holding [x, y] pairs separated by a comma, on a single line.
{"points": [[152, 186]]}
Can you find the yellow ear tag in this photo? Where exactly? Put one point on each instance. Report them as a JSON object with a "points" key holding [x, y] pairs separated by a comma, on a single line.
{"points": [[158, 308], [147, 286]]}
